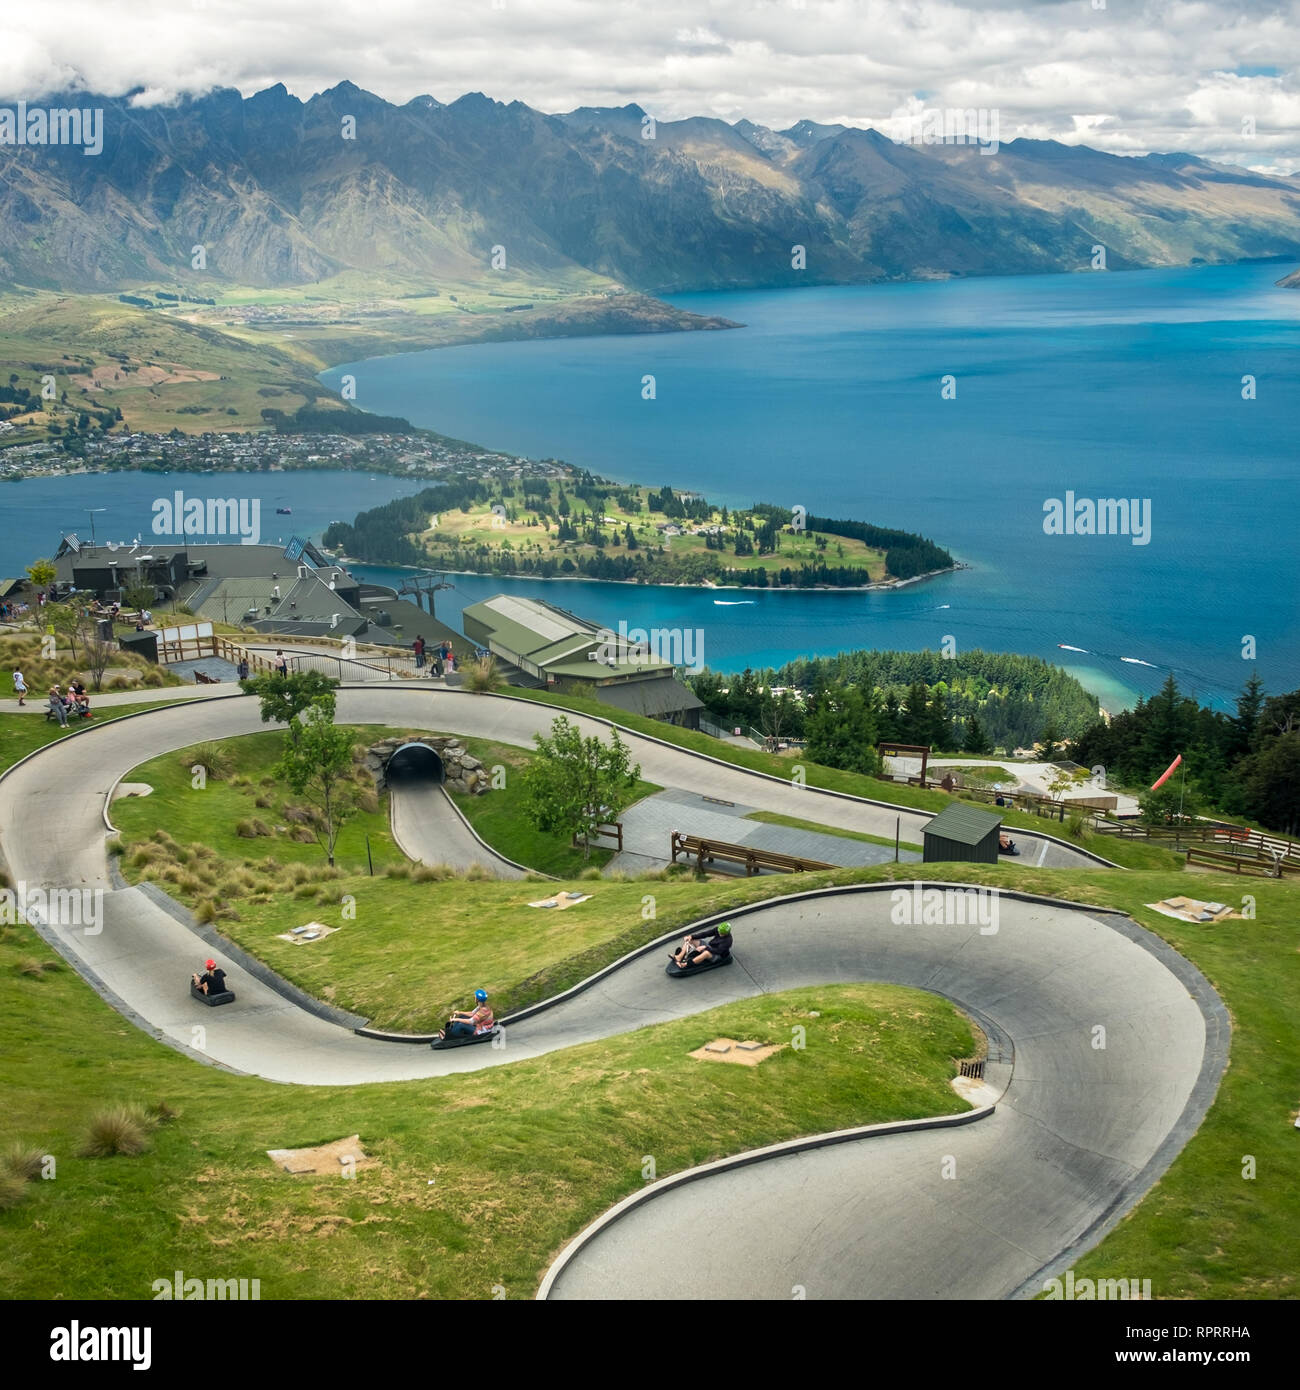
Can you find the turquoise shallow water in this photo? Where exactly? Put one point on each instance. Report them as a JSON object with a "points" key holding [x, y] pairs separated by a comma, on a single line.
{"points": [[1104, 385]]}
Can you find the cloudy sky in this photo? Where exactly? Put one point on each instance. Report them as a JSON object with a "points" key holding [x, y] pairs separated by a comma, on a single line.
{"points": [[1129, 76]]}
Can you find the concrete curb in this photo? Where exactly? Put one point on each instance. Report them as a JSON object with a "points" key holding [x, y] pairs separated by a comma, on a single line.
{"points": [[742, 1160]]}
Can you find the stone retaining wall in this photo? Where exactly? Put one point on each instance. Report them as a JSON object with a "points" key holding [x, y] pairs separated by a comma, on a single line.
{"points": [[463, 772]]}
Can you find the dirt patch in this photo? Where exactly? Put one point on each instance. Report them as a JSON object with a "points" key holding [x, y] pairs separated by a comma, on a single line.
{"points": [[341, 1157], [747, 1054]]}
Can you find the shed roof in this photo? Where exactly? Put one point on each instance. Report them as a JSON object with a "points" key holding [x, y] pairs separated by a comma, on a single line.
{"points": [[963, 824]]}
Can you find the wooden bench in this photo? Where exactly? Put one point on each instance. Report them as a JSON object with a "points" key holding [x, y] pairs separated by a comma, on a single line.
{"points": [[754, 860], [202, 678]]}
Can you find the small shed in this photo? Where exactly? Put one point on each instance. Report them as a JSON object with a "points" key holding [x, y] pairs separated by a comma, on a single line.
{"points": [[962, 833]]}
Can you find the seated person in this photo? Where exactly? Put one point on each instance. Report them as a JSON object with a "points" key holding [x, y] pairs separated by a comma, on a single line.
{"points": [[714, 943], [213, 979], [77, 692], [58, 706], [468, 1025], [1006, 845]]}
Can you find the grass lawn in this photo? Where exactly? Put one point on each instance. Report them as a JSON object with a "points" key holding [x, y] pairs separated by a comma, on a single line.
{"points": [[498, 816], [24, 733], [986, 776], [519, 531], [776, 818], [210, 816], [482, 1177]]}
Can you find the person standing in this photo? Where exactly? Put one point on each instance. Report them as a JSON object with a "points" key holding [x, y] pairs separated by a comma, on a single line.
{"points": [[418, 647], [20, 688], [281, 665], [242, 669]]}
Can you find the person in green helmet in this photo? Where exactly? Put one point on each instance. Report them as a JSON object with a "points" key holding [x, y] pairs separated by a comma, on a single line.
{"points": [[713, 943]]}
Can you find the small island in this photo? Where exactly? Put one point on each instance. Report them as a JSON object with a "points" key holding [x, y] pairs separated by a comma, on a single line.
{"points": [[559, 522]]}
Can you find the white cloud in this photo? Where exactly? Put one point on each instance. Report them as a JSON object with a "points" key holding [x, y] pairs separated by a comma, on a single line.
{"points": [[1137, 76]]}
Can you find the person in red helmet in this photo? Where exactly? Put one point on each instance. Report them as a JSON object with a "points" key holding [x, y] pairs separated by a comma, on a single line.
{"points": [[213, 979]]}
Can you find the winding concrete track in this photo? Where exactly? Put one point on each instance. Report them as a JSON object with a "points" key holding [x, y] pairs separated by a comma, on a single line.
{"points": [[429, 828], [1080, 1133]]}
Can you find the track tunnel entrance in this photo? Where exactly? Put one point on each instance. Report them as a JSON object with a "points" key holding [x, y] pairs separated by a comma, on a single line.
{"points": [[415, 762]]}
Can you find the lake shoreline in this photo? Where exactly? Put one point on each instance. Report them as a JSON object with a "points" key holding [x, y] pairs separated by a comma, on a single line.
{"points": [[352, 561]]}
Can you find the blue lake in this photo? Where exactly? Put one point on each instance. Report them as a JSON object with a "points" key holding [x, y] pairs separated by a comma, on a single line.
{"points": [[1105, 385]]}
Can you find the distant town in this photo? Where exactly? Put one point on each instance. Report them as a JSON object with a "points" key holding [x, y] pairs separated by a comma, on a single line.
{"points": [[414, 455]]}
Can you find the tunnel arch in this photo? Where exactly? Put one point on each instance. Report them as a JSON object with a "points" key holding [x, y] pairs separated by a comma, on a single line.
{"points": [[415, 760]]}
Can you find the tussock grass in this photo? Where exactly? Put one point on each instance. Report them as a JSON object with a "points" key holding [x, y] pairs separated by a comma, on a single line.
{"points": [[12, 1190], [121, 1131], [23, 1161]]}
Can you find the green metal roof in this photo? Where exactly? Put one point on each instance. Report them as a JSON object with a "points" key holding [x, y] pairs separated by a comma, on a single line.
{"points": [[553, 639], [963, 824]]}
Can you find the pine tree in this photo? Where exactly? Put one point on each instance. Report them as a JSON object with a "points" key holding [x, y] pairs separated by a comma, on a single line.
{"points": [[1250, 704], [976, 741]]}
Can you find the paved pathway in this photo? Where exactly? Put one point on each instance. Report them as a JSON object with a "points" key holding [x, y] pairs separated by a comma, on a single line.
{"points": [[648, 827]]}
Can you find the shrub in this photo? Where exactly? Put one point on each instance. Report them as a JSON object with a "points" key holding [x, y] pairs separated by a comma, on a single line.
{"points": [[368, 800], [1074, 825], [483, 677], [397, 871], [22, 1162], [431, 873], [12, 1190], [302, 835], [206, 912], [119, 1131], [160, 1113], [31, 968], [262, 801], [213, 756], [590, 875]]}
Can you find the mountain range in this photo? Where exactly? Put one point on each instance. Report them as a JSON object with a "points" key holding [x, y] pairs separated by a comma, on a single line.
{"points": [[278, 197]]}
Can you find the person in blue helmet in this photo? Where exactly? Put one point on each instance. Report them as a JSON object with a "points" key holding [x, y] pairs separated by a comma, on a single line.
{"points": [[711, 944], [467, 1025]]}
